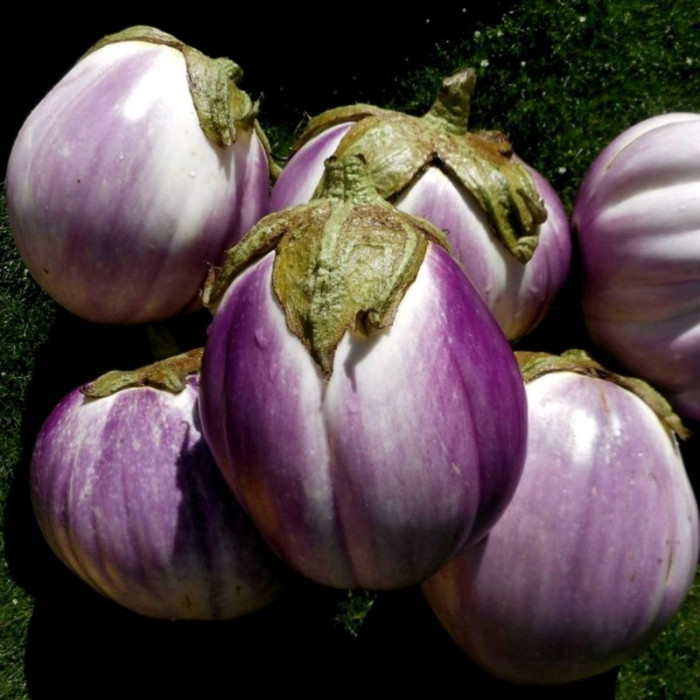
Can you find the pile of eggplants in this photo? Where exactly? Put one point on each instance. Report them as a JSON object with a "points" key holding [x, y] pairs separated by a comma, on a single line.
{"points": [[359, 416]]}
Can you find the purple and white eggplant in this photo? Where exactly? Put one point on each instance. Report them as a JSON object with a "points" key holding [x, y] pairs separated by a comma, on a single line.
{"points": [[128, 496], [140, 167], [638, 221], [357, 394], [599, 546], [504, 222]]}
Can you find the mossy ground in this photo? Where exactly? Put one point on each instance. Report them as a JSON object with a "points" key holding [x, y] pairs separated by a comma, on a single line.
{"points": [[562, 79]]}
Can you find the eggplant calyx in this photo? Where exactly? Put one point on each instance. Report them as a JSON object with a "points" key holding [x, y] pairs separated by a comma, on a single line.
{"points": [[222, 107], [351, 273], [536, 364], [399, 148], [450, 111], [343, 262], [168, 375]]}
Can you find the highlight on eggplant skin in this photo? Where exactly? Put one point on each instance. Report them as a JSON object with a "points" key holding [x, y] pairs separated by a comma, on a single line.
{"points": [[117, 197], [128, 496], [595, 553]]}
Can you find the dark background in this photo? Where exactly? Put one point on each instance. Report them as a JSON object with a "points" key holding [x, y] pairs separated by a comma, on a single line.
{"points": [[290, 56]]}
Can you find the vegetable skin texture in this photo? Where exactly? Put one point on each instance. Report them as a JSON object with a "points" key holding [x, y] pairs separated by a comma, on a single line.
{"points": [[519, 295], [637, 217], [375, 477], [594, 555], [117, 199], [128, 496]]}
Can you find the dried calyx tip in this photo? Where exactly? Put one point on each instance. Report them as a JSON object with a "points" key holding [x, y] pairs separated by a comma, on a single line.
{"points": [[452, 105]]}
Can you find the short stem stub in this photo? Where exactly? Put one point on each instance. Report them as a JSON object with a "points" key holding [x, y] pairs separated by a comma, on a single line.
{"points": [[399, 148], [450, 111], [346, 179]]}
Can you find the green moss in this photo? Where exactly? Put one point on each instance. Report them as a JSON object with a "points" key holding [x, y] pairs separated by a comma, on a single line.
{"points": [[25, 320], [15, 612], [353, 610], [670, 668]]}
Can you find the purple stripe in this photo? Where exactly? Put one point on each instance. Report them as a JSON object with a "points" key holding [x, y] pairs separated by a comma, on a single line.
{"points": [[518, 295], [637, 217]]}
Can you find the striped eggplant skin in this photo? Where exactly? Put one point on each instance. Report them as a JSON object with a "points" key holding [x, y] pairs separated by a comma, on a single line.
{"points": [[128, 496], [637, 218], [407, 453], [518, 294], [116, 198], [595, 553]]}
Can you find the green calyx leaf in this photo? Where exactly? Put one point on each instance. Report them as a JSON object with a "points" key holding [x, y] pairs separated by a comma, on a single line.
{"points": [[260, 240], [485, 166], [343, 261], [350, 274], [398, 148], [168, 375], [536, 364], [333, 117], [222, 108]]}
